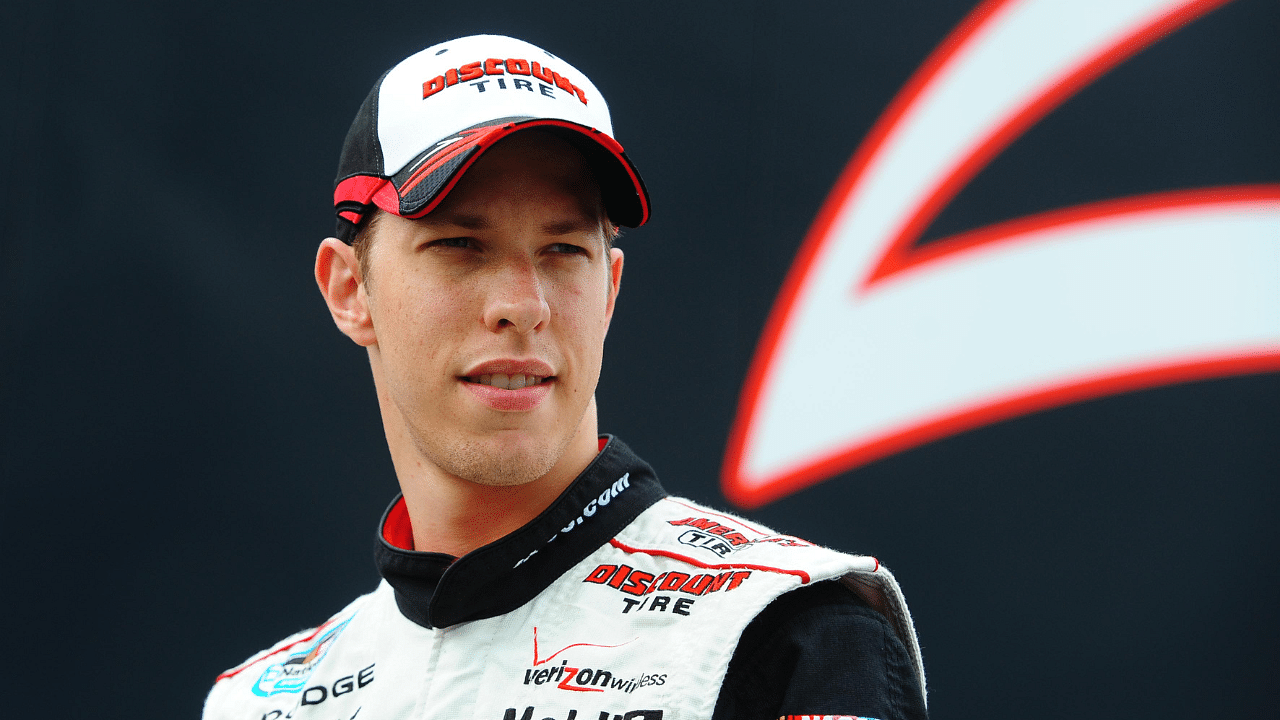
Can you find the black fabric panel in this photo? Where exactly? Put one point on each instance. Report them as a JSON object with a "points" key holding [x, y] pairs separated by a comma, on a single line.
{"points": [[820, 650], [361, 155], [493, 580], [417, 585], [617, 192], [361, 150], [346, 230]]}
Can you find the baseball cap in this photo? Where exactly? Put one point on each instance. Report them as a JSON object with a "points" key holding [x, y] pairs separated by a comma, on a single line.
{"points": [[434, 114]]}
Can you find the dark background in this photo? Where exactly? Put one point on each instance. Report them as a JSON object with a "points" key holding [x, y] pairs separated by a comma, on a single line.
{"points": [[192, 458]]}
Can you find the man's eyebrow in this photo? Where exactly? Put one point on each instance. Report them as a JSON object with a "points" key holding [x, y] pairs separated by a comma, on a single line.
{"points": [[470, 222], [568, 227]]}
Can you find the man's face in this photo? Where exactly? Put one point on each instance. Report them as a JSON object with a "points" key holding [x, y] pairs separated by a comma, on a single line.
{"points": [[507, 283]]}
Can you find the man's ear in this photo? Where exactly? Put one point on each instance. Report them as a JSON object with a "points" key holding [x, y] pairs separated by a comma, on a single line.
{"points": [[338, 275], [615, 279]]}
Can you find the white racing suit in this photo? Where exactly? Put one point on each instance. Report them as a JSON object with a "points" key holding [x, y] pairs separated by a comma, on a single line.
{"points": [[617, 603]]}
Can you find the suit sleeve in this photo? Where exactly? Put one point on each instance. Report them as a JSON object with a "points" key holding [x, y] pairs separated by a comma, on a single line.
{"points": [[820, 650]]}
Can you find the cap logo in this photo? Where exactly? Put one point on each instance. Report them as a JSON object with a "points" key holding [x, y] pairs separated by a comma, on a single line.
{"points": [[495, 66]]}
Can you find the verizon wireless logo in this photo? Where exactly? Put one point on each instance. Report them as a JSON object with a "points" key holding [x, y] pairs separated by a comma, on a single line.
{"points": [[584, 679], [578, 677]]}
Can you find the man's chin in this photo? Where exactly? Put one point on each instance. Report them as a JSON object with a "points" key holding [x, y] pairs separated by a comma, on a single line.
{"points": [[507, 459]]}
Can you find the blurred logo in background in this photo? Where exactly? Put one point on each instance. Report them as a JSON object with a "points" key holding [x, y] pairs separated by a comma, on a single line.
{"points": [[875, 345]]}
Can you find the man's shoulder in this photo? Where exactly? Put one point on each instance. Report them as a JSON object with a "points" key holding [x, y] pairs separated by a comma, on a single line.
{"points": [[821, 650], [862, 592], [679, 527], [285, 666]]}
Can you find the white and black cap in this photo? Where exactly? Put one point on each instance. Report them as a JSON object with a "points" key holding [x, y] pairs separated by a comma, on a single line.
{"points": [[430, 117]]}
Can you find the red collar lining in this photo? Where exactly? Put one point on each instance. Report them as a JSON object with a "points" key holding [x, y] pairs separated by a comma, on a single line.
{"points": [[398, 530]]}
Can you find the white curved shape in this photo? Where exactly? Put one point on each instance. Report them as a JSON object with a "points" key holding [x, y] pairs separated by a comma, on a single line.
{"points": [[872, 349]]}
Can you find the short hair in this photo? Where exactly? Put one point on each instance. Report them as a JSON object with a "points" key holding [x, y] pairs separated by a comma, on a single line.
{"points": [[363, 241]]}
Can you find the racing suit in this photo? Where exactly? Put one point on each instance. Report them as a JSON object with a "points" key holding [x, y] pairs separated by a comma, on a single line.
{"points": [[616, 603]]}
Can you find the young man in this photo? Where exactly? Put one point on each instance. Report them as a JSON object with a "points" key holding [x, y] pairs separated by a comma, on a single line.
{"points": [[533, 568]]}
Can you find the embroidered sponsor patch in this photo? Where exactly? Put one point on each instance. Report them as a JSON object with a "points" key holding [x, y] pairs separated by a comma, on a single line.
{"points": [[722, 539], [291, 675], [641, 584], [699, 539], [578, 677]]}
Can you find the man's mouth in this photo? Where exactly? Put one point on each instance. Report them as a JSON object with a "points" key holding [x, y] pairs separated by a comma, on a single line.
{"points": [[508, 382]]}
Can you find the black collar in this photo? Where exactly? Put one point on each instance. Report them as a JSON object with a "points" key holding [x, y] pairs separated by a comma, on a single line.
{"points": [[433, 590]]}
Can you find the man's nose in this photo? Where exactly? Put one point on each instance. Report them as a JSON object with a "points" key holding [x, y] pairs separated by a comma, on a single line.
{"points": [[516, 300]]}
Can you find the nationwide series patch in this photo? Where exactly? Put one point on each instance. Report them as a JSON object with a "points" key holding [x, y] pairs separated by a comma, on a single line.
{"points": [[291, 675]]}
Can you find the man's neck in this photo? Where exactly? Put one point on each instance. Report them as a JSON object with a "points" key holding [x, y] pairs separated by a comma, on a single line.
{"points": [[454, 516]]}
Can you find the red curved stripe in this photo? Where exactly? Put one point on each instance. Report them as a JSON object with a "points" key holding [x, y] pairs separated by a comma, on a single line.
{"points": [[252, 661], [734, 520], [1019, 230], [804, 576], [900, 254], [1260, 360], [537, 662]]}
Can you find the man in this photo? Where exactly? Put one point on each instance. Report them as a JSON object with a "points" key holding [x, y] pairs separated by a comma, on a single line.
{"points": [[532, 568]]}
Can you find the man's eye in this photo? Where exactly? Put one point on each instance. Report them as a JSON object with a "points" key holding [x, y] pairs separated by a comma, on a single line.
{"points": [[453, 242], [568, 249]]}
